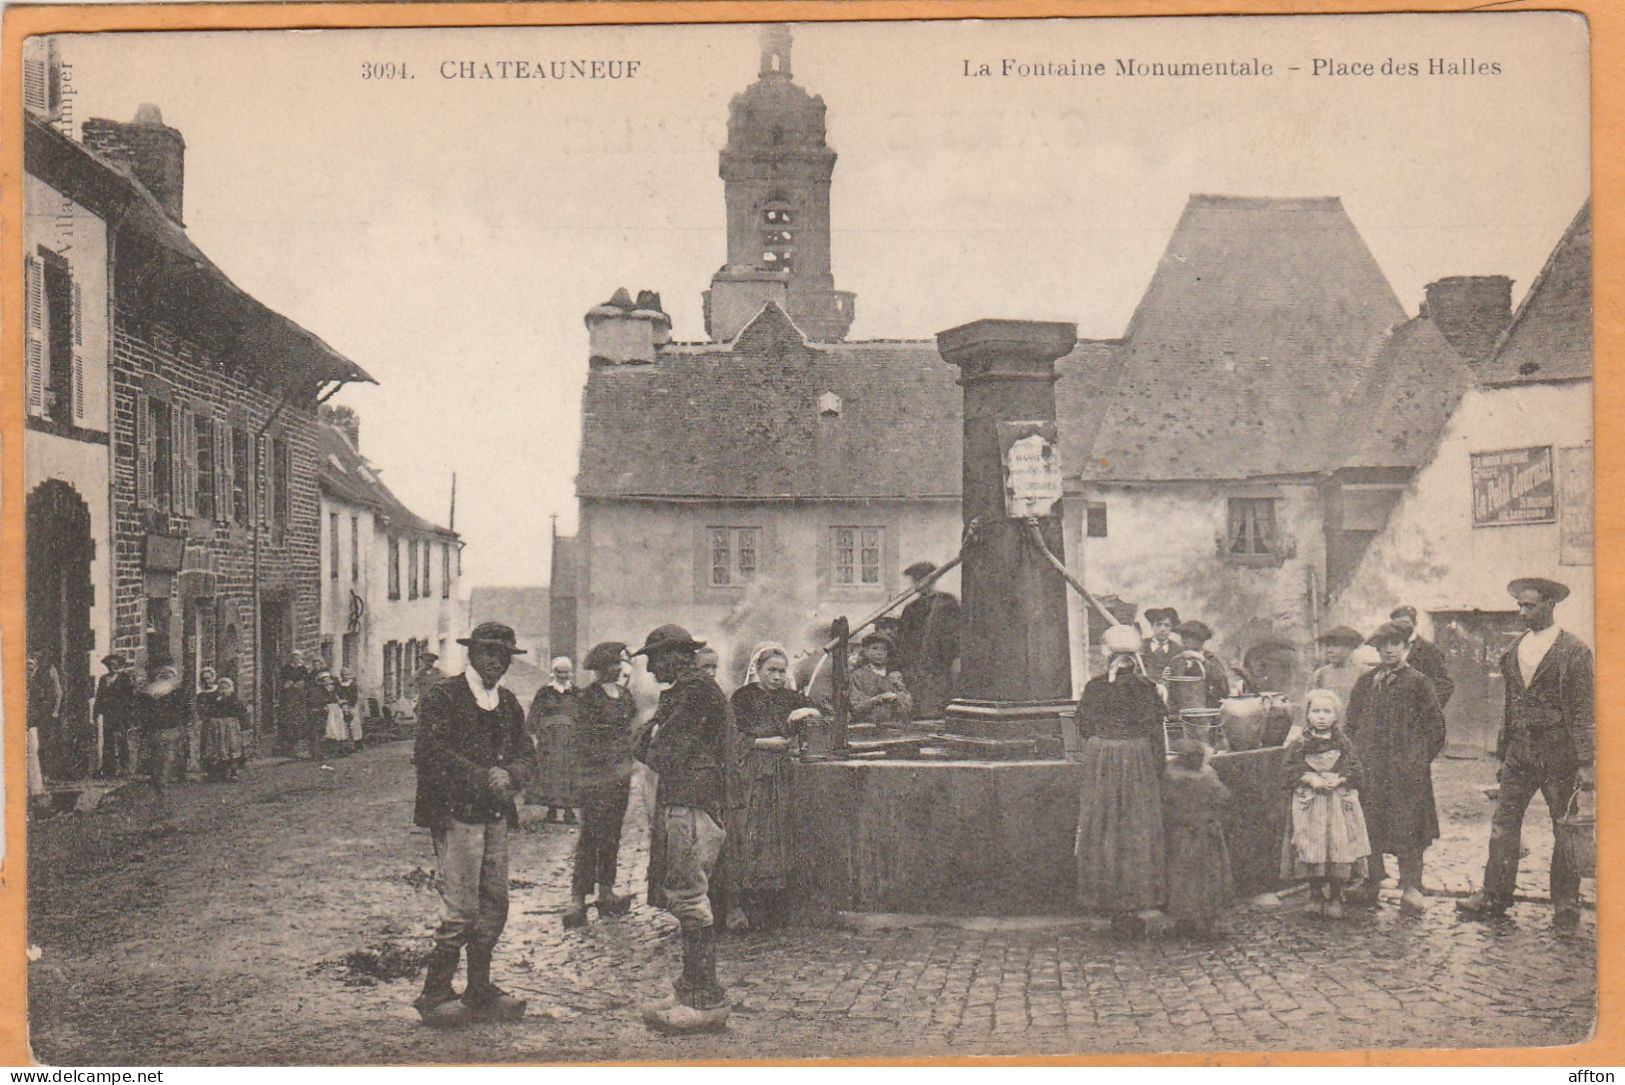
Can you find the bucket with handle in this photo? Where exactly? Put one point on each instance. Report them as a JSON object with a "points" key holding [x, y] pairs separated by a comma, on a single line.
{"points": [[1188, 693]]}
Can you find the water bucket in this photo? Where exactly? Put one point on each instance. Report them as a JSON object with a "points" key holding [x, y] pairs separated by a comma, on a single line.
{"points": [[1204, 725], [1188, 692], [1576, 838]]}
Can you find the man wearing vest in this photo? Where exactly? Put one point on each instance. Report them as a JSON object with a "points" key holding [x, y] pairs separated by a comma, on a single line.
{"points": [[473, 756], [1547, 744], [686, 745]]}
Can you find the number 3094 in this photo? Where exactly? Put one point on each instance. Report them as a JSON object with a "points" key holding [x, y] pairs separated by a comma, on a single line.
{"points": [[387, 69]]}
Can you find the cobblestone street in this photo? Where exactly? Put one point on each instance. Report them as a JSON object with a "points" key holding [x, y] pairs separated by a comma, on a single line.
{"points": [[262, 922]]}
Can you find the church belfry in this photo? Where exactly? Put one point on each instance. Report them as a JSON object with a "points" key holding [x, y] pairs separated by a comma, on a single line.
{"points": [[776, 171]]}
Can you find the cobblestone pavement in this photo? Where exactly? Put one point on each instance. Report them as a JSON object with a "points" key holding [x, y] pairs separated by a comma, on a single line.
{"points": [[221, 934]]}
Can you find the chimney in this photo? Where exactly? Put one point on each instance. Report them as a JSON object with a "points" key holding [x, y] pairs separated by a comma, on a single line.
{"points": [[1472, 311], [626, 332], [152, 150]]}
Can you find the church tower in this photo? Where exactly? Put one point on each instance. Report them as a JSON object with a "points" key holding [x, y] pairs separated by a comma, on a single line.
{"points": [[776, 171]]}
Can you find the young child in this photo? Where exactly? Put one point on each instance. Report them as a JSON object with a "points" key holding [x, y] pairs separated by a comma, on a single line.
{"points": [[1194, 800], [878, 693], [1325, 839]]}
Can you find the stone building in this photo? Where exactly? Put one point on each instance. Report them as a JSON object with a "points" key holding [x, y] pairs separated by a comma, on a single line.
{"points": [[389, 577], [68, 199], [779, 475], [213, 436], [1503, 489]]}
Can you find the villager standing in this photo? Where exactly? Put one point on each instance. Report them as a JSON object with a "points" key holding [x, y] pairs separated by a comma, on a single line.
{"points": [[45, 697], [1397, 729], [1547, 743], [208, 680], [44, 702], [321, 706], [604, 713], [551, 717], [1201, 886], [427, 674], [1120, 844], [164, 711], [350, 696], [1340, 670], [930, 643], [1424, 655], [293, 681], [879, 693], [1160, 649], [1326, 842], [686, 744], [113, 710], [473, 756], [223, 717], [767, 710]]}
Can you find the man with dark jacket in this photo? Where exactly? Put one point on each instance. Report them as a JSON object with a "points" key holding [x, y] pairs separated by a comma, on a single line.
{"points": [[1547, 744], [928, 643], [472, 757], [114, 711], [1424, 655], [685, 743]]}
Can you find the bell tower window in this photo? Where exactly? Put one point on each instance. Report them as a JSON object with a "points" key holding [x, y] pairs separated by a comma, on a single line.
{"points": [[778, 240]]}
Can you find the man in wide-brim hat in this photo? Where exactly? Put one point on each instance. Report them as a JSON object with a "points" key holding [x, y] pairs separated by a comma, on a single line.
{"points": [[927, 647], [1547, 744], [473, 756], [686, 745]]}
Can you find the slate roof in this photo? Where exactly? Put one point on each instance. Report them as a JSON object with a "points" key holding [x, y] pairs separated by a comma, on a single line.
{"points": [[266, 337], [346, 475], [1394, 417], [743, 420], [525, 609], [1549, 338], [1259, 321]]}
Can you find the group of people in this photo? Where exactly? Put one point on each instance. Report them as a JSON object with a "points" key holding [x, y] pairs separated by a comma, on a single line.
{"points": [[151, 723], [475, 754], [318, 709], [1356, 770]]}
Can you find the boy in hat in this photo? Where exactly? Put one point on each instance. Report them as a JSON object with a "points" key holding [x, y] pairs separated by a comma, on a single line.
{"points": [[878, 692], [1340, 671], [1160, 649], [1397, 729], [472, 757], [1423, 654], [1194, 635], [686, 745], [1547, 744]]}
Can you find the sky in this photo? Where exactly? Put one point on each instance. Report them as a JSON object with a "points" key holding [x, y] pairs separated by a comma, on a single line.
{"points": [[449, 235]]}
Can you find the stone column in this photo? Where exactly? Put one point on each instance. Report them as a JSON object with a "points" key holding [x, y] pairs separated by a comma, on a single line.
{"points": [[1015, 679]]}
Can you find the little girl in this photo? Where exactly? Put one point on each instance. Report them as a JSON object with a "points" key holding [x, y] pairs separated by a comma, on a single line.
{"points": [[1194, 800], [1325, 838]]}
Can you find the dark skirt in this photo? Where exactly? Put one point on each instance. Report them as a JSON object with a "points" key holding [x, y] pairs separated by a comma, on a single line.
{"points": [[757, 853], [1120, 846], [555, 774], [1200, 884]]}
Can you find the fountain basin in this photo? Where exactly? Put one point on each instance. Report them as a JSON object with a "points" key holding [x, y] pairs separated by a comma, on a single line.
{"points": [[982, 837]]}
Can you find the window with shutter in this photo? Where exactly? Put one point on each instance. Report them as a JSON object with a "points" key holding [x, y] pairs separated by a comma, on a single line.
{"points": [[186, 461], [78, 356], [35, 273], [143, 450], [222, 468], [35, 95], [206, 485]]}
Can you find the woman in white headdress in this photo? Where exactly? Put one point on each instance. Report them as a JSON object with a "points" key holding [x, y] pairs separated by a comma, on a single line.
{"points": [[1120, 831], [551, 723], [767, 711]]}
